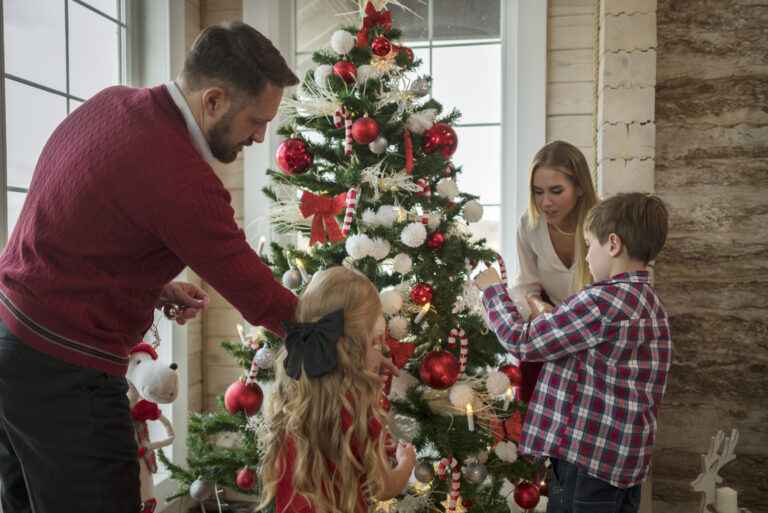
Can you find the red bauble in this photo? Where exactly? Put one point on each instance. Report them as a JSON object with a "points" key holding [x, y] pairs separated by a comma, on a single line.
{"points": [[439, 369], [527, 495], [421, 293], [440, 137], [513, 373], [242, 397], [436, 240], [466, 503], [365, 130], [246, 479], [381, 46], [346, 71], [293, 157], [425, 189], [408, 52]]}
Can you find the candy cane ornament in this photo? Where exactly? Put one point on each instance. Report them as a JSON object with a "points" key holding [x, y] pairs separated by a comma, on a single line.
{"points": [[442, 467], [347, 134], [253, 373], [502, 268], [463, 345], [349, 213]]}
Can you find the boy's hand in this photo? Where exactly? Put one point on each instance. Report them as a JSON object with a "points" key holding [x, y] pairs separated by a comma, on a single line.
{"points": [[487, 278]]}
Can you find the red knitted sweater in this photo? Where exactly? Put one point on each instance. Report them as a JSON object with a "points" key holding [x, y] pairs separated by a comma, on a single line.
{"points": [[119, 203]]}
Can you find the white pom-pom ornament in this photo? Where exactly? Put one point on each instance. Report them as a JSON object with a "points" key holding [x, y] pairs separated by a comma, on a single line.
{"points": [[402, 263], [369, 217], [496, 383], [391, 301], [381, 249], [322, 73], [433, 220], [378, 146], [398, 327], [506, 451], [447, 188], [473, 211], [461, 395], [342, 42], [414, 235], [365, 73], [420, 122], [386, 215], [358, 246]]}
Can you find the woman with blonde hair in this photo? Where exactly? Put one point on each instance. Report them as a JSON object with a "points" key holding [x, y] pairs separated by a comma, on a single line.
{"points": [[551, 249], [325, 449]]}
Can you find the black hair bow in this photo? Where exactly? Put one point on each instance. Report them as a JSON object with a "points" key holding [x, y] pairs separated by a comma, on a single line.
{"points": [[312, 345]]}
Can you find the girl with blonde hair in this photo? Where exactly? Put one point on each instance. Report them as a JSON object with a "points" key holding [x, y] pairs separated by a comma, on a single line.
{"points": [[325, 449], [551, 249]]}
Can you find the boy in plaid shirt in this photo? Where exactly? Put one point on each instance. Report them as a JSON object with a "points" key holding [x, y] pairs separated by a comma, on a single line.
{"points": [[607, 351]]}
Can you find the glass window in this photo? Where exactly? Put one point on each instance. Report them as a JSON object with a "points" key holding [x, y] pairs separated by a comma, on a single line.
{"points": [[57, 54]]}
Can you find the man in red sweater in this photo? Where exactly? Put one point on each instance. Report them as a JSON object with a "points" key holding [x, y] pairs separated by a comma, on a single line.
{"points": [[122, 199]]}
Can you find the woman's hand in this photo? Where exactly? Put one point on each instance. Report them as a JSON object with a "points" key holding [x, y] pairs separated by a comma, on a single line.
{"points": [[538, 306], [191, 298]]}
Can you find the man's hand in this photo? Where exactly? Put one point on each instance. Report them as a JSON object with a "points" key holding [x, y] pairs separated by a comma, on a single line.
{"points": [[487, 278], [190, 297]]}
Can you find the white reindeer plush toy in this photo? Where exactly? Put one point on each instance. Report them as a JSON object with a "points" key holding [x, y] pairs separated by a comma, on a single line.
{"points": [[151, 383]]}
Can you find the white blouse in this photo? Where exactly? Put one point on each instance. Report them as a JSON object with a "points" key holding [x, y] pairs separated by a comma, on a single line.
{"points": [[539, 266]]}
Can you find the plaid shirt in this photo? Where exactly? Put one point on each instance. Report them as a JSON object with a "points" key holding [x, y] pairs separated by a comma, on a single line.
{"points": [[607, 351]]}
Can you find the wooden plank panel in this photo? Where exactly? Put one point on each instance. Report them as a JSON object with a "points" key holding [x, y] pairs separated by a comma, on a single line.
{"points": [[570, 98], [571, 66], [571, 32]]}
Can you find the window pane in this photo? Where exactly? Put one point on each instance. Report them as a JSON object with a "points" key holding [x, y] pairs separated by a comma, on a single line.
{"points": [[317, 20], [414, 22], [456, 70], [35, 42], [108, 7], [489, 227], [15, 202], [31, 116], [479, 155], [92, 66], [467, 19]]}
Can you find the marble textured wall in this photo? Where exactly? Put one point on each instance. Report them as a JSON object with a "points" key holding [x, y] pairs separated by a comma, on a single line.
{"points": [[712, 169]]}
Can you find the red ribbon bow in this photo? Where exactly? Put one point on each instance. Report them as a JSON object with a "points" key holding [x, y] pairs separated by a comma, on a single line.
{"points": [[325, 209], [373, 18], [145, 410]]}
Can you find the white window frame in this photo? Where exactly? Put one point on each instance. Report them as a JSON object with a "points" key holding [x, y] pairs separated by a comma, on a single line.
{"points": [[523, 120]]}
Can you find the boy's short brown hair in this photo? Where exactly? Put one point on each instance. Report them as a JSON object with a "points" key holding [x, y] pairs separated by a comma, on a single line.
{"points": [[641, 220]]}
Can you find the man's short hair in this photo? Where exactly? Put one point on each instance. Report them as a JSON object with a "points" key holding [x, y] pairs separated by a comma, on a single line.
{"points": [[235, 55], [641, 220]]}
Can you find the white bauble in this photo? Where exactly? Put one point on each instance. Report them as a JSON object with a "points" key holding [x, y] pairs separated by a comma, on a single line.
{"points": [[414, 235], [387, 215], [473, 211], [506, 451], [447, 188], [496, 383], [322, 72], [378, 146], [365, 73], [370, 218], [398, 327], [342, 42], [358, 246], [291, 278], [420, 122], [381, 249], [433, 220], [402, 263], [391, 301], [401, 384], [461, 395]]}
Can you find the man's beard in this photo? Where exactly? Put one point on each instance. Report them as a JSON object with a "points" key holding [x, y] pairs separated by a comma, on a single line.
{"points": [[218, 140]]}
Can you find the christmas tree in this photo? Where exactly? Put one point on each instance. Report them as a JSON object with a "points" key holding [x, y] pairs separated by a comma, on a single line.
{"points": [[365, 174]]}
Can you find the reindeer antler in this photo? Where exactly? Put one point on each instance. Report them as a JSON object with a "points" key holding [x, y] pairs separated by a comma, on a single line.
{"points": [[722, 450]]}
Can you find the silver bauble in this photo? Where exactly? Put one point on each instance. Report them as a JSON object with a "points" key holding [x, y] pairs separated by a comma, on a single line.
{"points": [[405, 427], [424, 472], [200, 490], [421, 86], [292, 278], [475, 473], [265, 358]]}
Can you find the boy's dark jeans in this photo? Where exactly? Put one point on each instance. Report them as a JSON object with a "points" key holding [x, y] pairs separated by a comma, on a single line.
{"points": [[66, 436], [572, 490]]}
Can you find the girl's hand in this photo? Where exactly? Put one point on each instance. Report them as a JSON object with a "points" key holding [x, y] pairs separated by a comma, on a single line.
{"points": [[405, 454], [487, 278], [538, 306]]}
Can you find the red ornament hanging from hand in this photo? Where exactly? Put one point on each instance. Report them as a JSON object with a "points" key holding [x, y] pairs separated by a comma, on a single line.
{"points": [[243, 397], [513, 373], [293, 156], [365, 130], [381, 46], [439, 369], [421, 293], [346, 71], [527, 495], [436, 240], [441, 137]]}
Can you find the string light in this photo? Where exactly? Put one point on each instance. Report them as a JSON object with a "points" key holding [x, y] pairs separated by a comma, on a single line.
{"points": [[241, 334], [260, 247], [470, 417], [422, 313], [302, 270]]}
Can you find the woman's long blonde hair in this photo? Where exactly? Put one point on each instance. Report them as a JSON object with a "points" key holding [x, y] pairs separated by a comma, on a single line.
{"points": [[568, 159], [307, 411]]}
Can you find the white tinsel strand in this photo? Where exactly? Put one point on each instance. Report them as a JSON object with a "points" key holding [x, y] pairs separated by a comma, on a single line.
{"points": [[442, 467], [311, 101], [349, 212]]}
